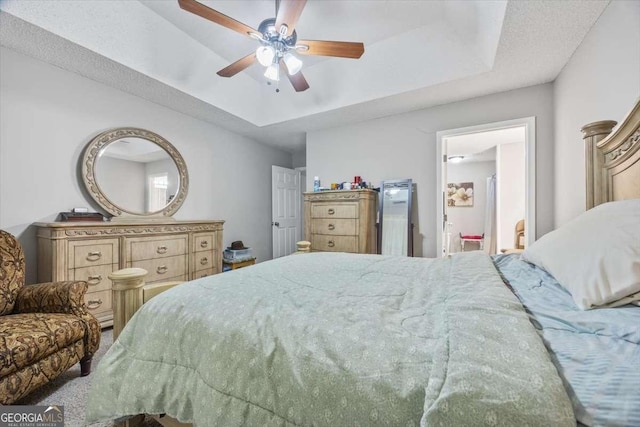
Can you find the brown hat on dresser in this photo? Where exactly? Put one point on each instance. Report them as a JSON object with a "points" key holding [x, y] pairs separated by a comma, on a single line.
{"points": [[237, 245]]}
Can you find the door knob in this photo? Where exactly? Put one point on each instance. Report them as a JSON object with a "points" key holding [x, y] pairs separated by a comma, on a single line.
{"points": [[277, 224]]}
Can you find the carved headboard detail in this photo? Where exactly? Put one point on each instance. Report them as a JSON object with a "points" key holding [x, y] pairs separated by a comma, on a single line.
{"points": [[613, 161]]}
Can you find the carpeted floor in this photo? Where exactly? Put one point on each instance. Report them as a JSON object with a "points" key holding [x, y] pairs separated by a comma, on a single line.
{"points": [[70, 390]]}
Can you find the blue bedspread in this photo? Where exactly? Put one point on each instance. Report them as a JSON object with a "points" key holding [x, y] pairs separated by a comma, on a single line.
{"points": [[597, 352]]}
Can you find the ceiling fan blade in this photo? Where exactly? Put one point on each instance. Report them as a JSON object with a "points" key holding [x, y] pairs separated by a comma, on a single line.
{"points": [[331, 48], [213, 15], [298, 81], [238, 66], [288, 14]]}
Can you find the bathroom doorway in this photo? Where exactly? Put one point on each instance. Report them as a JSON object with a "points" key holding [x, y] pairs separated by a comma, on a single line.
{"points": [[486, 187]]}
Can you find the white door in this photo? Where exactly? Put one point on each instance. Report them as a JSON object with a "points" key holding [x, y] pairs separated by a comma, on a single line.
{"points": [[285, 208]]}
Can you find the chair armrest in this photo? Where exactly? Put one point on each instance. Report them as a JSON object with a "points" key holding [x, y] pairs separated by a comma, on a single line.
{"points": [[61, 297], [54, 297]]}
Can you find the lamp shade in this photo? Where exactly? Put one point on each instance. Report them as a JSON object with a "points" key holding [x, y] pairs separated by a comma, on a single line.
{"points": [[293, 64], [272, 72], [265, 55]]}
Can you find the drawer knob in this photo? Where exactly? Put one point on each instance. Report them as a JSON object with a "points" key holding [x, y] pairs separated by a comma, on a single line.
{"points": [[162, 269], [204, 244], [94, 280], [332, 211], [162, 249], [331, 243], [331, 227], [94, 256], [94, 303], [204, 261]]}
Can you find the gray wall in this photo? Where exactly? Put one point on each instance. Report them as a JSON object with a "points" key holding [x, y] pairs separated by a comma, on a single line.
{"points": [[123, 182], [299, 158], [404, 146], [47, 116], [600, 82]]}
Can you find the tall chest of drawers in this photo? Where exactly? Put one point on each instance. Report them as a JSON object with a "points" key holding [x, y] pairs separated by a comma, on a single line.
{"points": [[341, 221], [89, 251]]}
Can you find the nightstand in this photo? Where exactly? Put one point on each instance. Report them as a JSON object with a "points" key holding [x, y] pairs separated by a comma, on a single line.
{"points": [[234, 265]]}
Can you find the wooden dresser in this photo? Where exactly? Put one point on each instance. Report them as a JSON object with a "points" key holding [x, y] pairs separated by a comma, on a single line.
{"points": [[169, 251], [341, 221]]}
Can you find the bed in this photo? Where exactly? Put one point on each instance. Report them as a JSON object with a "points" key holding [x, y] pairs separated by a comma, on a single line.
{"points": [[350, 339]]}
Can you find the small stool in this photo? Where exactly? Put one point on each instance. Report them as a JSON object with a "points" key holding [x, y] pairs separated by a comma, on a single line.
{"points": [[472, 238]]}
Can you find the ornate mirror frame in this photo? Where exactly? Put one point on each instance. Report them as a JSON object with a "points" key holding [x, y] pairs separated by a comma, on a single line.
{"points": [[91, 155]]}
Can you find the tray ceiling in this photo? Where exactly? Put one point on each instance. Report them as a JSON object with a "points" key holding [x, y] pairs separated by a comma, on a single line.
{"points": [[417, 54]]}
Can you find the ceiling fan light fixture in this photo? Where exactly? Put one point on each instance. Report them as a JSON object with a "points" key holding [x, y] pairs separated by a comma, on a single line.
{"points": [[265, 55], [273, 72], [294, 65]]}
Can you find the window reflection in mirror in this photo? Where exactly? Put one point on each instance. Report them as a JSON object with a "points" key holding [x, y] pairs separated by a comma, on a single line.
{"points": [[137, 175]]}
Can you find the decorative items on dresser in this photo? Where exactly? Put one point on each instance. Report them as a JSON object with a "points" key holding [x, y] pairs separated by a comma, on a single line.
{"points": [[341, 221], [169, 251]]}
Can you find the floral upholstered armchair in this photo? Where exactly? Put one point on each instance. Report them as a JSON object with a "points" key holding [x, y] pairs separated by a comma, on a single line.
{"points": [[44, 329]]}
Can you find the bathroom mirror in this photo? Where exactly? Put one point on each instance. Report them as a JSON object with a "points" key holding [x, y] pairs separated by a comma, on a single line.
{"points": [[135, 174], [395, 224]]}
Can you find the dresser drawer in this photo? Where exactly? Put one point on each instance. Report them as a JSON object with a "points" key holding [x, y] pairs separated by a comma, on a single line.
{"points": [[98, 302], [320, 242], [202, 242], [328, 210], [334, 227], [157, 248], [204, 260], [96, 276], [203, 273], [93, 252], [163, 268]]}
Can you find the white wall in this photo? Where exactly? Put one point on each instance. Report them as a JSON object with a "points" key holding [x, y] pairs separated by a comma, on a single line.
{"points": [[469, 220], [404, 146], [600, 82], [510, 190], [47, 116]]}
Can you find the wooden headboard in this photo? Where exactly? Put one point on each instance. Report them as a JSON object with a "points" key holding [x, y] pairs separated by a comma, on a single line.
{"points": [[613, 159]]}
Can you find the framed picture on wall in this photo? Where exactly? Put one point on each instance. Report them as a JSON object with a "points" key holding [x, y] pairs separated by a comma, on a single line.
{"points": [[460, 194]]}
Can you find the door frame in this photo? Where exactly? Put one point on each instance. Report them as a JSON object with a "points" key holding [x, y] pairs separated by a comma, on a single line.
{"points": [[530, 172]]}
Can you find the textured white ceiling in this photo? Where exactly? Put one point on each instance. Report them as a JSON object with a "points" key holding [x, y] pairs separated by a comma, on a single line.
{"points": [[417, 54]]}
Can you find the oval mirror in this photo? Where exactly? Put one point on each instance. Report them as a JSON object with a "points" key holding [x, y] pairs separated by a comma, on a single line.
{"points": [[135, 174]]}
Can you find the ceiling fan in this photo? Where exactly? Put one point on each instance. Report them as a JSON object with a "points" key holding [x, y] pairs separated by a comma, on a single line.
{"points": [[278, 42]]}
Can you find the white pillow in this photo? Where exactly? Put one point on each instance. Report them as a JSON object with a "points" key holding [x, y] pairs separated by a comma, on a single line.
{"points": [[595, 256]]}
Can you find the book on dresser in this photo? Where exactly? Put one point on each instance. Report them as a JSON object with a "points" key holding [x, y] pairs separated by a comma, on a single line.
{"points": [[341, 220], [89, 251]]}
